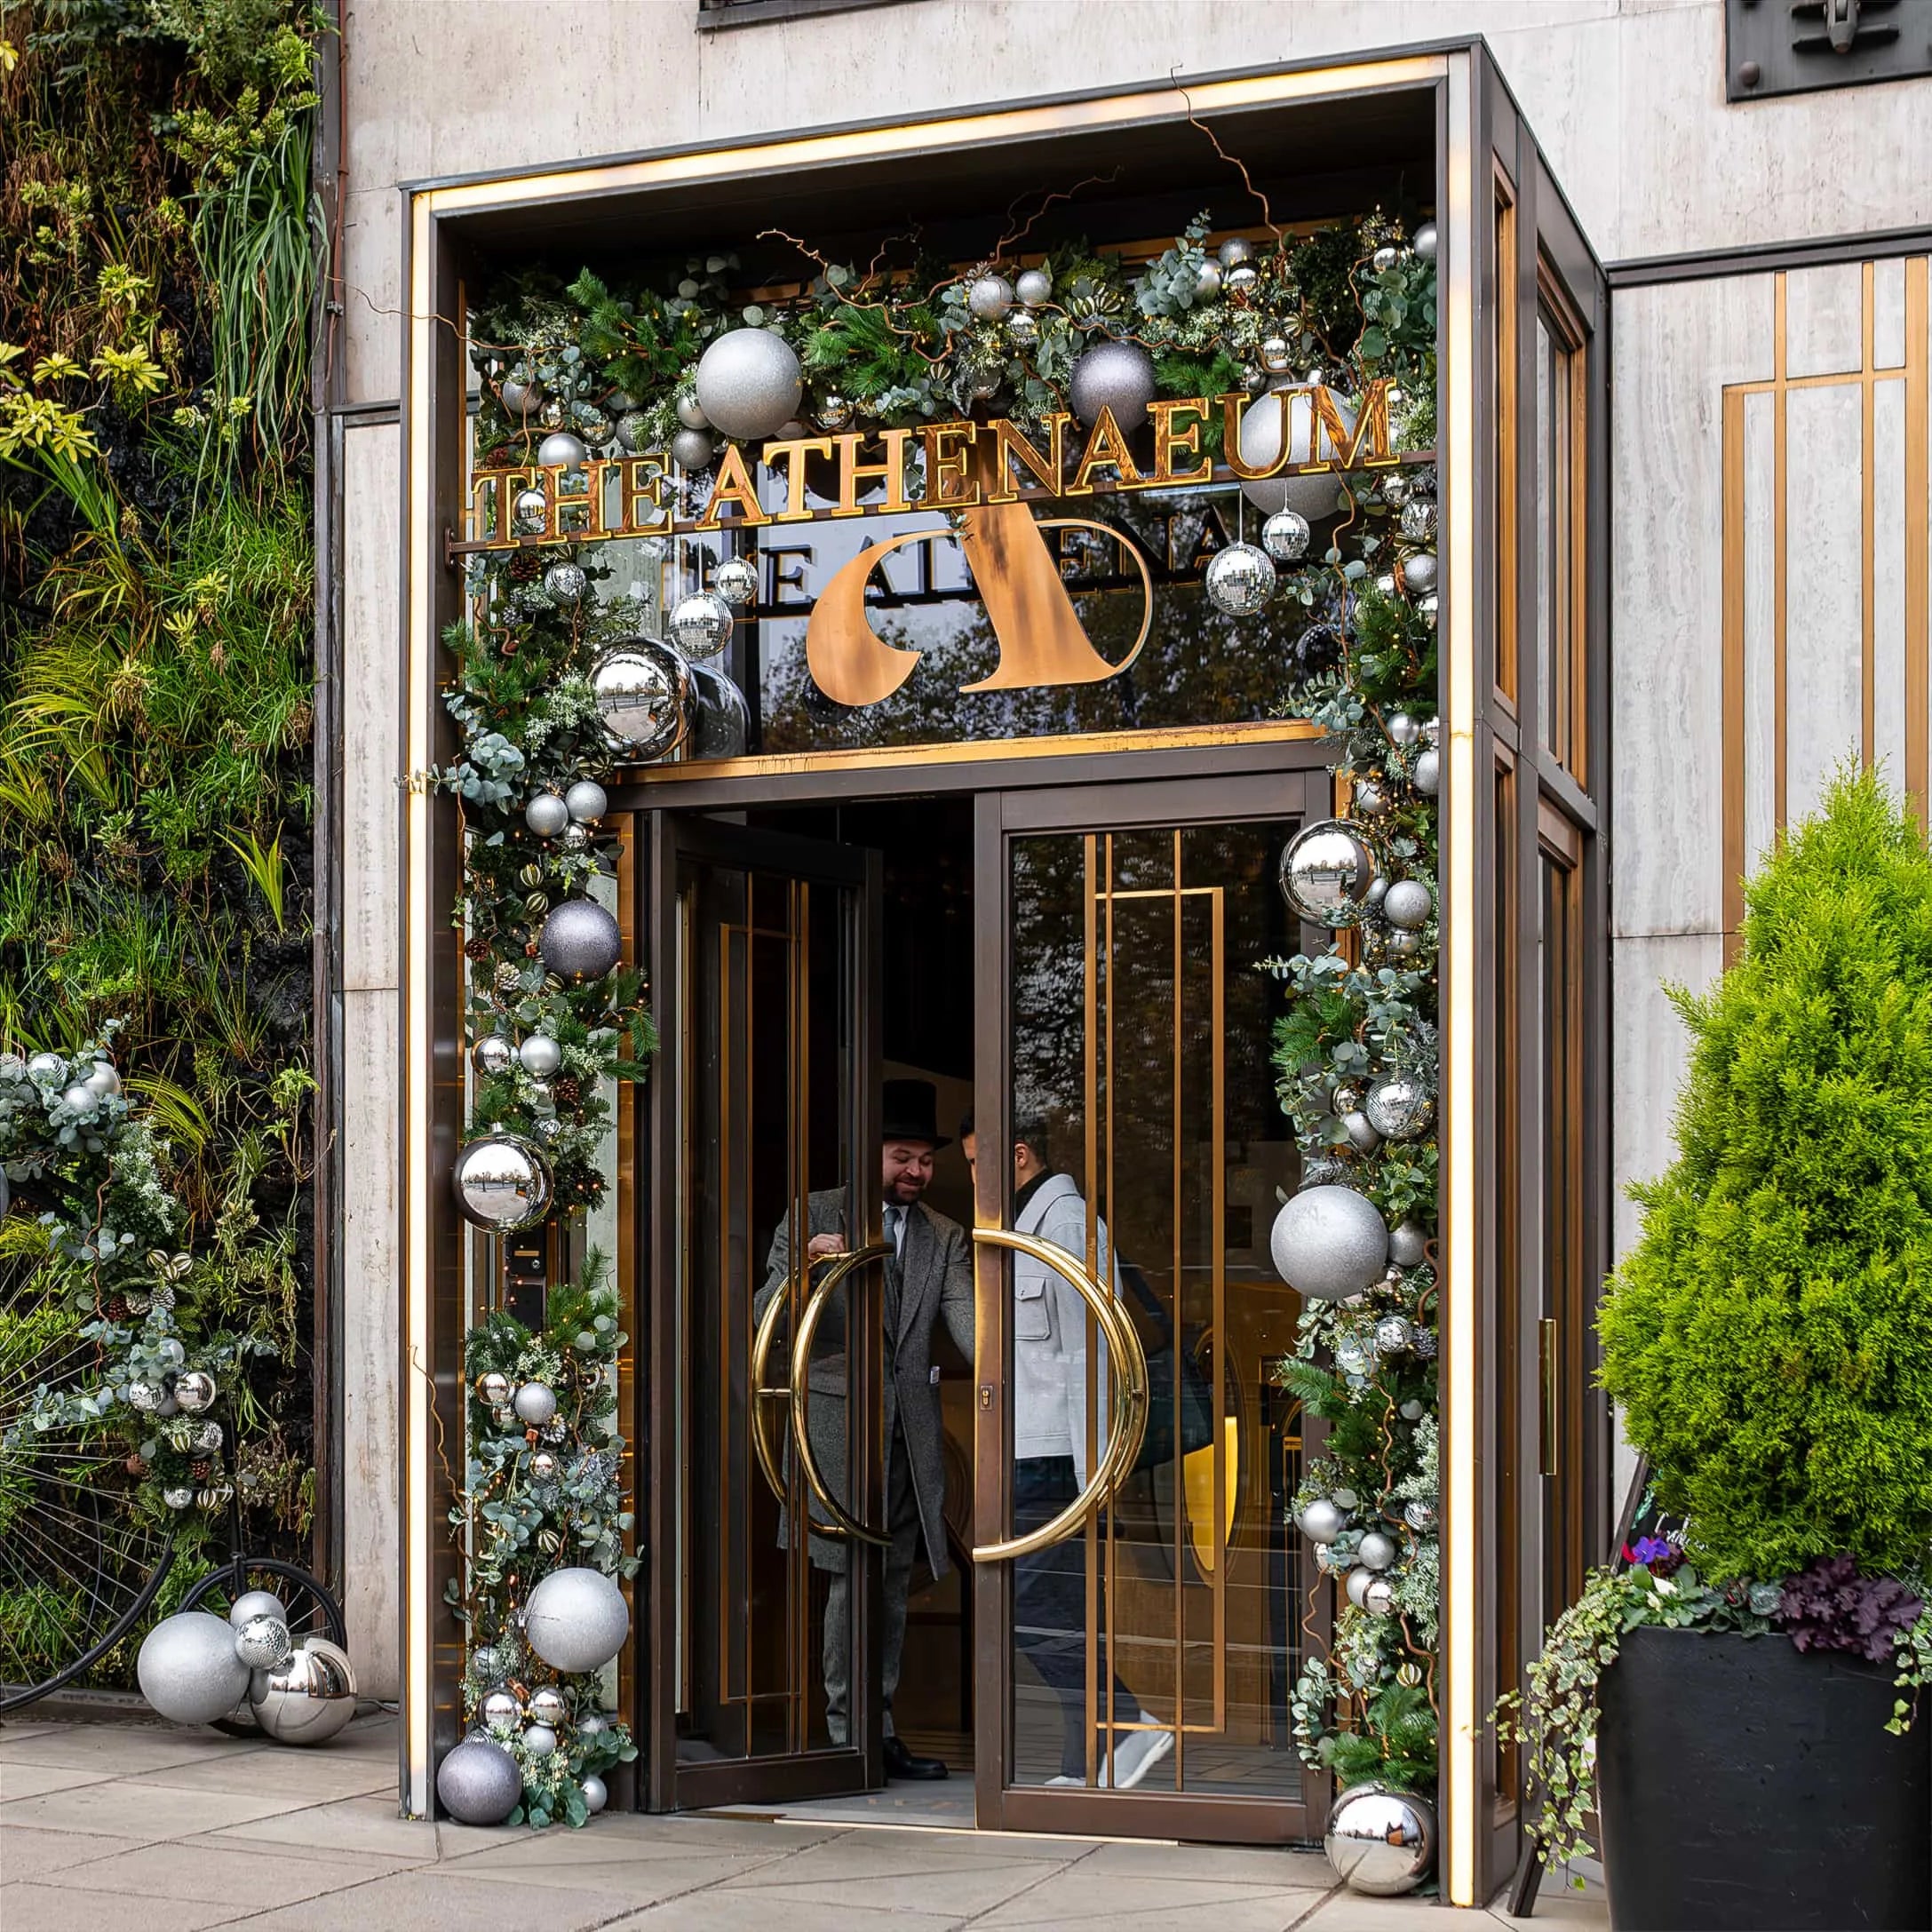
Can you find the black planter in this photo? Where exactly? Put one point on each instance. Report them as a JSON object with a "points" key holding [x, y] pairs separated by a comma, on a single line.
{"points": [[1744, 1785]]}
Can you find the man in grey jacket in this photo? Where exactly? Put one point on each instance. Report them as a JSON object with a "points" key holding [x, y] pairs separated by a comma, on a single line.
{"points": [[929, 1278]]}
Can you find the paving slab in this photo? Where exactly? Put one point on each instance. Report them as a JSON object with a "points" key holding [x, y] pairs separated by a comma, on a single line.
{"points": [[1075, 1897], [55, 1909], [740, 1912], [121, 1749], [149, 1812], [244, 1878], [430, 1900], [35, 1780], [354, 1827], [27, 1853]]}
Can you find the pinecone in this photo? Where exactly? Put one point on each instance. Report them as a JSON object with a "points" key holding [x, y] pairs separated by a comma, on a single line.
{"points": [[477, 948], [525, 567], [201, 1469], [137, 1467], [567, 1092], [115, 1308]]}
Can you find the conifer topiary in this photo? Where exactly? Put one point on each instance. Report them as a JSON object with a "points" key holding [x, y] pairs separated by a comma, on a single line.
{"points": [[1770, 1336]]}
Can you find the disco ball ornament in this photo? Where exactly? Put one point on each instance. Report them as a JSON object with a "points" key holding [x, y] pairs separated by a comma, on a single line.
{"points": [[1379, 1597], [596, 1793], [1034, 287], [532, 511], [549, 1706], [501, 1183], [1321, 1521], [1207, 280], [1376, 1551], [1418, 1515], [546, 814], [1329, 1242], [257, 1603], [576, 1620], [1425, 242], [565, 584], [1326, 870], [1117, 376], [1419, 520], [501, 1710], [1381, 1842], [643, 691], [990, 298], [1240, 579], [748, 383], [519, 399], [1260, 445], [1394, 1335], [736, 580], [1408, 1245], [535, 1403], [1236, 250], [1408, 904], [701, 625], [693, 450], [691, 411], [178, 1497], [561, 450], [104, 1080], [1419, 573], [580, 941], [721, 723], [1400, 1109], [479, 1783], [493, 1054], [44, 1069], [1427, 776], [195, 1390], [307, 1697], [541, 1057], [187, 1669], [263, 1642], [1285, 537]]}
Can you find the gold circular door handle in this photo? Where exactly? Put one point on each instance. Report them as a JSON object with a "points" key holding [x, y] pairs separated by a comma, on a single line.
{"points": [[841, 1522], [1127, 1393], [761, 1393]]}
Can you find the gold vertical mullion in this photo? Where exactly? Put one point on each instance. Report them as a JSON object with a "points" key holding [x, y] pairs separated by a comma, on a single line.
{"points": [[1110, 1576], [1091, 911], [1780, 571], [1217, 1222], [1867, 648], [1734, 562], [1916, 510], [1178, 1319]]}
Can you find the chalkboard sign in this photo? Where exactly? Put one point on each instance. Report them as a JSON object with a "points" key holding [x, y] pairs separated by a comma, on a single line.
{"points": [[1643, 1519]]}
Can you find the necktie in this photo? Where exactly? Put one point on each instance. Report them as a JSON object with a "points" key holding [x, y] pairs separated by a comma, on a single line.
{"points": [[895, 1222]]}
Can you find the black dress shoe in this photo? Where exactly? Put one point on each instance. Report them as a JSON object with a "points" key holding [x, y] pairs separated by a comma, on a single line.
{"points": [[900, 1764]]}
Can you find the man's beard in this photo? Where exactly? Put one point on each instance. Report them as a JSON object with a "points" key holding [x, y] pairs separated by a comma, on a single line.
{"points": [[905, 1193]]}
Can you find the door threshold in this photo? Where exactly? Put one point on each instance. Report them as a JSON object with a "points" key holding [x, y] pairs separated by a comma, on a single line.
{"points": [[886, 1811]]}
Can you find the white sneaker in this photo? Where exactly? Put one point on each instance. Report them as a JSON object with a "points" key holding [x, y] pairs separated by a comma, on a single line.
{"points": [[1135, 1756], [1065, 1778]]}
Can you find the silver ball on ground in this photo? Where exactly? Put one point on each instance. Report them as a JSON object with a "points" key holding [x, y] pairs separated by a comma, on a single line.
{"points": [[187, 1669], [1240, 579], [643, 691], [736, 580], [580, 941], [693, 450], [1260, 445], [1381, 1842], [1115, 376], [561, 451], [990, 298], [1321, 1521], [1034, 287], [1408, 904], [1408, 1245], [1329, 1242], [701, 624], [748, 383], [576, 1620], [262, 1642], [501, 1183], [541, 1057], [257, 1603], [308, 1698], [493, 1054], [535, 1403], [479, 1783], [1326, 870], [1285, 537], [596, 1793], [546, 814]]}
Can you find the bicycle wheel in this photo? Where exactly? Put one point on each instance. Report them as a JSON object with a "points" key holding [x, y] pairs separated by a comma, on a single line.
{"points": [[78, 1569], [312, 1610]]}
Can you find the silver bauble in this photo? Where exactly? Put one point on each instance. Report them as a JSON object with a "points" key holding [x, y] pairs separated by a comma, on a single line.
{"points": [[1363, 1136], [479, 1783], [1418, 1515], [1408, 1245], [596, 1793], [576, 1620], [500, 1710], [1425, 607], [565, 584], [1328, 1242], [1376, 1551], [1242, 277], [1370, 799], [1378, 891], [1418, 572], [1410, 1411], [1384, 259], [539, 1740], [1378, 1599], [546, 814], [1400, 1109], [1428, 777], [81, 1098], [1401, 728], [643, 691], [586, 801], [308, 1698], [632, 434], [195, 1390], [593, 1724], [549, 1706], [1275, 355], [1207, 280], [990, 298], [1117, 376], [593, 424], [541, 1057], [1260, 441], [535, 1403], [1023, 328], [1240, 579], [1419, 520], [532, 511], [519, 399], [1327, 1558], [1400, 945], [493, 1054], [832, 412], [1321, 1521], [736, 580], [1396, 489], [1425, 240], [1034, 287], [721, 725], [1357, 1582], [179, 1496], [262, 1642], [1381, 1842], [1326, 870], [691, 411], [1394, 1335], [580, 941], [1235, 250], [44, 1069], [257, 1603], [144, 1397], [748, 383], [543, 1466], [187, 1669], [501, 1183], [1408, 904], [494, 1388], [1285, 537], [1321, 1169], [701, 625], [693, 450], [561, 451], [103, 1079]]}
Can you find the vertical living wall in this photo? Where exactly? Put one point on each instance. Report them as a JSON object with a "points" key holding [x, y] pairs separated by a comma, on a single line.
{"points": [[159, 253]]}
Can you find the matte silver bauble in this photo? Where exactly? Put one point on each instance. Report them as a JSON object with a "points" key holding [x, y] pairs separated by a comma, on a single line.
{"points": [[187, 1669], [500, 1710], [586, 801], [262, 1642], [721, 725], [1425, 240], [1370, 799], [501, 1183], [1240, 579], [1400, 945], [990, 298], [1419, 573], [1408, 1245], [1207, 280], [546, 814], [748, 383], [1326, 870], [103, 1080], [535, 1403], [1394, 1335], [580, 941], [1362, 1134], [1400, 1109], [549, 1706], [257, 1603], [479, 1783], [632, 432], [1380, 1843], [44, 1069], [1408, 904], [1329, 1242], [561, 451], [541, 1057], [519, 399], [539, 1740], [308, 1698], [1321, 1521], [693, 450], [81, 1098], [1418, 1515], [1115, 376], [565, 584], [492, 1055], [1034, 287], [1260, 445], [596, 1793], [532, 511], [643, 692], [701, 624], [1358, 1581], [1378, 1599], [576, 1620], [1428, 777], [1401, 728], [691, 411], [1235, 250], [736, 580], [1419, 520], [1376, 1551], [195, 1390], [1285, 537]]}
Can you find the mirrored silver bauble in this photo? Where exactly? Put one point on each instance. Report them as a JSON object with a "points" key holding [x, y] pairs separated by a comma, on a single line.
{"points": [[1418, 1515], [831, 412], [1394, 1335], [549, 1706], [306, 1698], [1425, 607], [1425, 242], [1428, 777], [1240, 579], [576, 1620], [257, 1603], [1383, 259], [535, 1403], [1207, 280], [103, 1079], [519, 399], [748, 383], [1370, 798], [561, 451], [1380, 1843], [262, 1642], [1408, 1245], [1329, 1242], [1358, 1580], [194, 1390], [1117, 376], [596, 1793], [593, 425], [1275, 355], [541, 1057], [736, 580], [501, 1183], [1376, 1551], [532, 511], [721, 723], [1260, 445], [1400, 1109], [691, 411], [1401, 728], [1236, 249], [565, 584], [1419, 520], [492, 1055], [1400, 945], [546, 814], [990, 298], [494, 1388], [500, 1710], [580, 941], [1326, 870], [1242, 277], [187, 1669], [701, 625], [1034, 287], [479, 1783], [693, 450], [1321, 1521], [1285, 537], [144, 1397], [643, 692], [1378, 1599], [1408, 904], [1418, 572]]}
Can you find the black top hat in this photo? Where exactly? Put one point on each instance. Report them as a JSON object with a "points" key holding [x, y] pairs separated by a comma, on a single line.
{"points": [[912, 1113]]}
